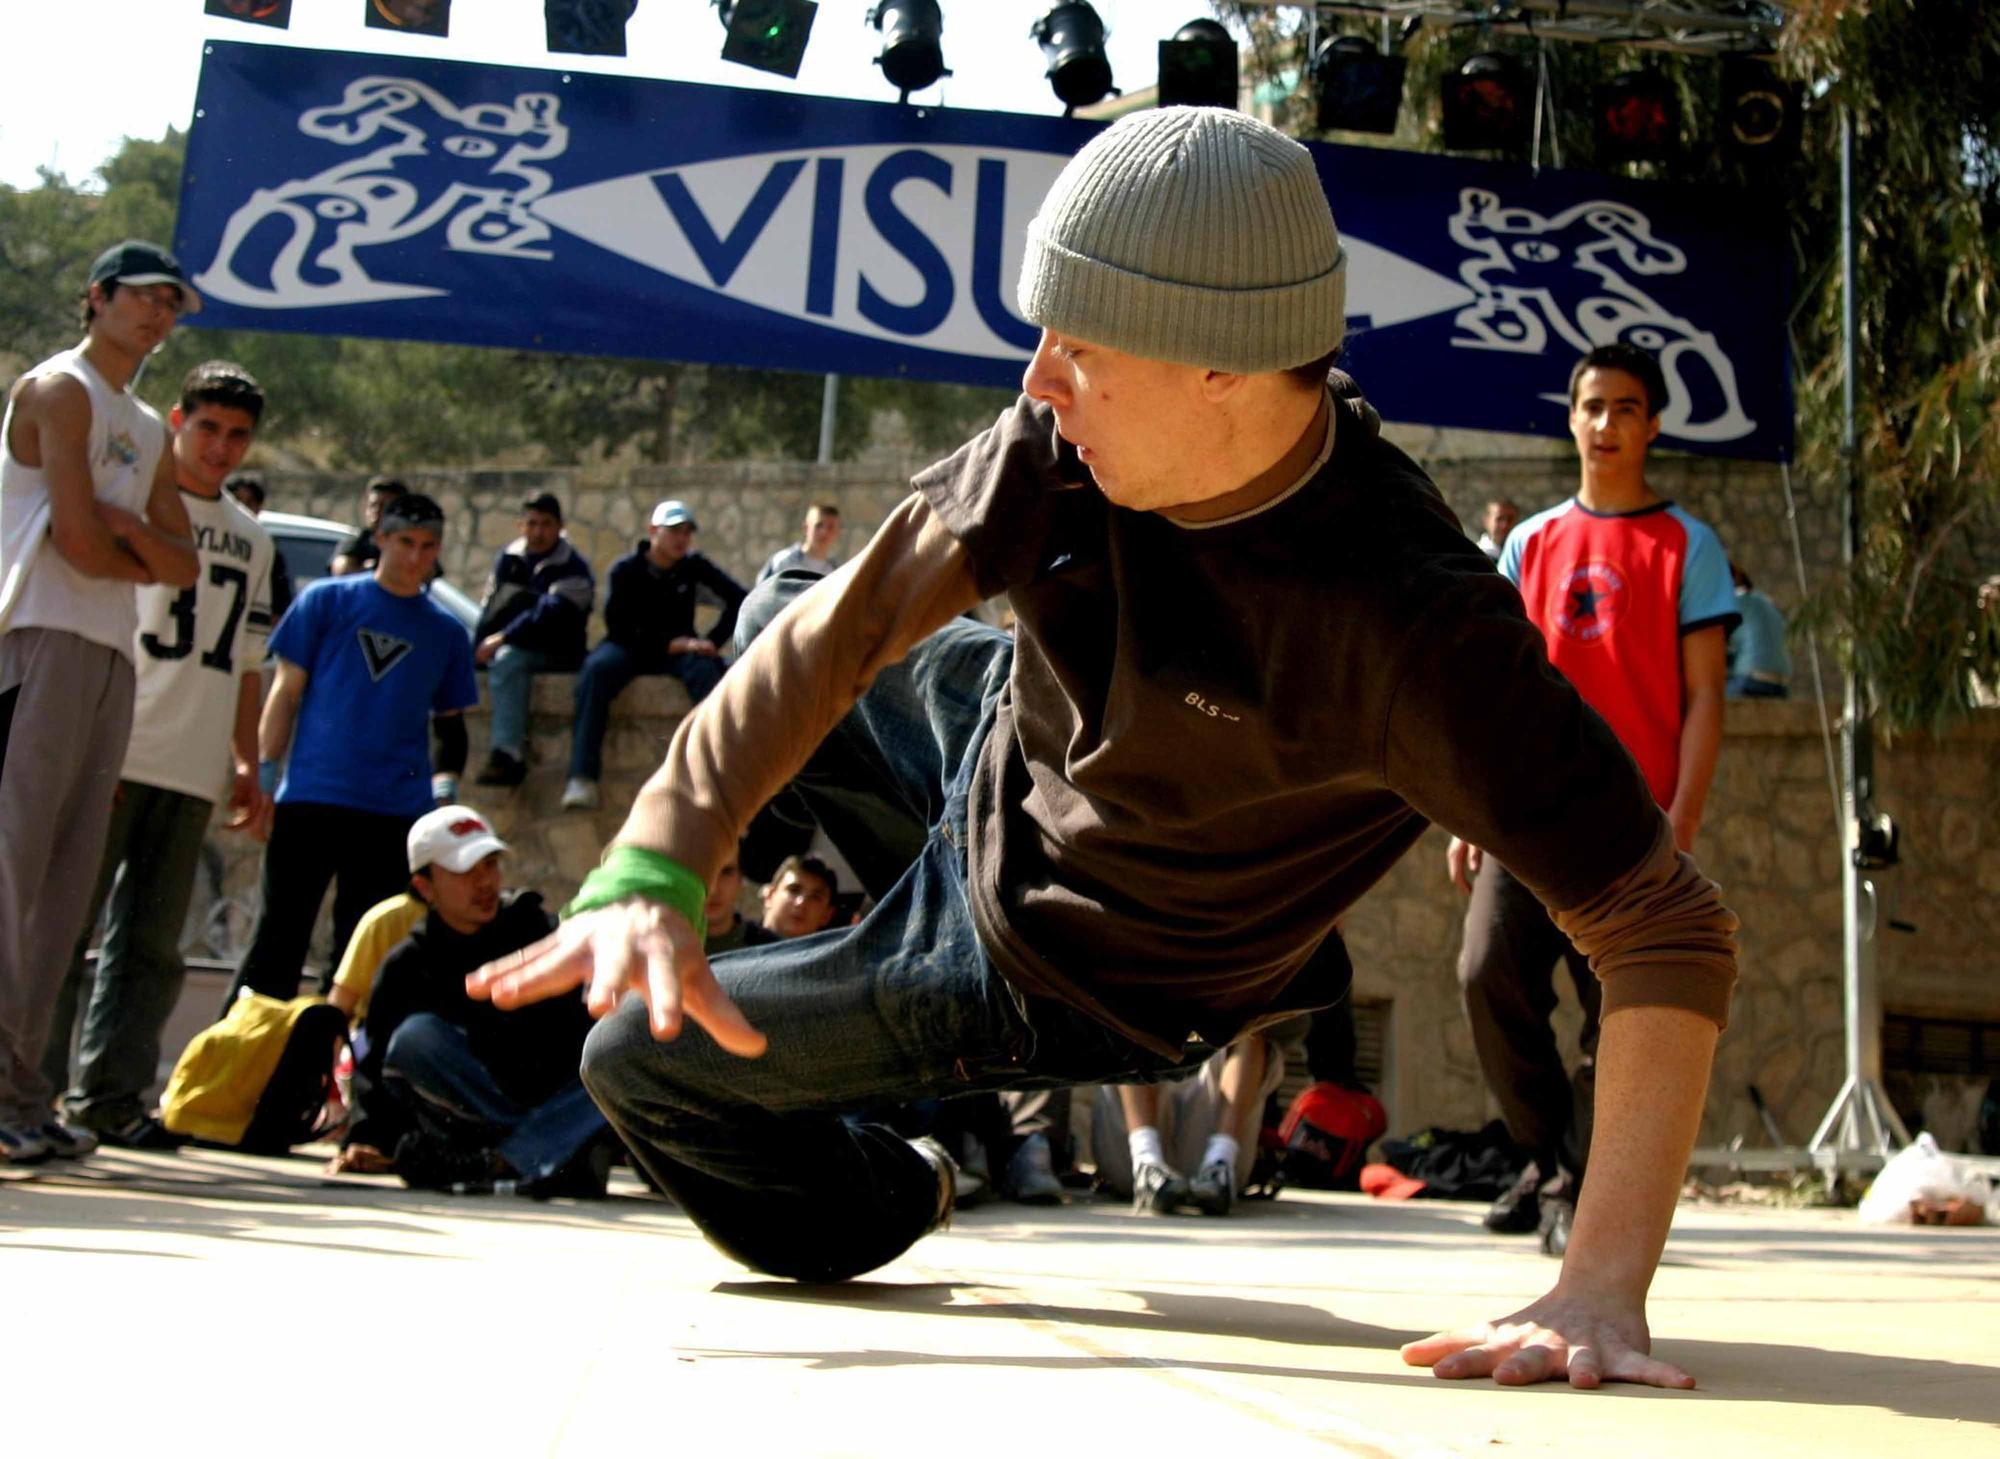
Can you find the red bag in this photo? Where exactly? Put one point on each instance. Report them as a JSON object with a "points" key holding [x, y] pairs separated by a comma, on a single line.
{"points": [[1325, 1136]]}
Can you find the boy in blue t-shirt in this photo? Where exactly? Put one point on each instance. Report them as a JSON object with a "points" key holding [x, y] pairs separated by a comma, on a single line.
{"points": [[365, 664]]}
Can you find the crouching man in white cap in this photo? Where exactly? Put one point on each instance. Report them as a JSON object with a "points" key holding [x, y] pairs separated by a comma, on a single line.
{"points": [[1255, 657], [467, 1096]]}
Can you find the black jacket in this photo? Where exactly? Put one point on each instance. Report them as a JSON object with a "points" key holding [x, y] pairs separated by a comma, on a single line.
{"points": [[532, 1052], [646, 607], [539, 603]]}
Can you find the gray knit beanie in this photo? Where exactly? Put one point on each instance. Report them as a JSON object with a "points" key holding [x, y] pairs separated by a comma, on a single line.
{"points": [[1190, 234]]}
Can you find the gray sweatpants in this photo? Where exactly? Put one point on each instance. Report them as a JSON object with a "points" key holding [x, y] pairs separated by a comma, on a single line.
{"points": [[65, 718]]}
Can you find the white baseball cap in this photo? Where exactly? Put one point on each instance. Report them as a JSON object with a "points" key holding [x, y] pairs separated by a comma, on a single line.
{"points": [[455, 837], [672, 514]]}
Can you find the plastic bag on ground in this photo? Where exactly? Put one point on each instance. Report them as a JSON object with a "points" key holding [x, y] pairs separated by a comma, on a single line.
{"points": [[1923, 1185]]}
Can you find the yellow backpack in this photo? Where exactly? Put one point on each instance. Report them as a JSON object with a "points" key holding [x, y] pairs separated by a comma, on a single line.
{"points": [[259, 1079]]}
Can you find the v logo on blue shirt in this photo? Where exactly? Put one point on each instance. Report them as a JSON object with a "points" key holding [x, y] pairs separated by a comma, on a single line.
{"points": [[383, 651]]}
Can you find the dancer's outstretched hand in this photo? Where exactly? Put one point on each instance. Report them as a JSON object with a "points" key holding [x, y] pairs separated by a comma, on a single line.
{"points": [[1588, 1339], [634, 946]]}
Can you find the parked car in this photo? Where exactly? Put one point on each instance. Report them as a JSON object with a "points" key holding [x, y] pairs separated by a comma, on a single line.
{"points": [[308, 545]]}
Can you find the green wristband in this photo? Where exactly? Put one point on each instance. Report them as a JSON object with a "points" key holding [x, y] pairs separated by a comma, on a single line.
{"points": [[628, 871]]}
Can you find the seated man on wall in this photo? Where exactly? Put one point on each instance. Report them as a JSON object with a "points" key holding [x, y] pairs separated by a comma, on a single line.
{"points": [[473, 1095], [531, 621], [649, 629]]}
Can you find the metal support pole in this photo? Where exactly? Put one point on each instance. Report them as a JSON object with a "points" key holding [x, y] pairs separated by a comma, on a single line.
{"points": [[1861, 1118], [829, 408]]}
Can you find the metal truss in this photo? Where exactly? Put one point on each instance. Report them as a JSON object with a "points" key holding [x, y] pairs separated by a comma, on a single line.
{"points": [[1702, 27]]}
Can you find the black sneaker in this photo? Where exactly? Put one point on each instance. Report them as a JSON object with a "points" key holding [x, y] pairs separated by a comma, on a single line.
{"points": [[1519, 1209], [1213, 1188], [502, 769], [585, 1177], [1157, 1189], [948, 1177], [141, 1132], [427, 1163]]}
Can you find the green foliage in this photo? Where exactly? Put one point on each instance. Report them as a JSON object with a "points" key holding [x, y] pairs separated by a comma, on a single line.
{"points": [[1927, 185], [384, 404]]}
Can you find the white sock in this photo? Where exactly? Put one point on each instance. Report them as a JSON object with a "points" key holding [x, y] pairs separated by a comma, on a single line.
{"points": [[1146, 1149], [1220, 1147]]}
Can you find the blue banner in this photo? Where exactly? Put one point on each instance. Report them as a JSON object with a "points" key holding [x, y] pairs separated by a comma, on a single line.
{"points": [[339, 193]]}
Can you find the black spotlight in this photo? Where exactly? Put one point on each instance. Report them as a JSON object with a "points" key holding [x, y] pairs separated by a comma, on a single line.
{"points": [[1489, 105], [1198, 66], [414, 17], [1360, 89], [277, 13], [912, 43], [1072, 38], [767, 35], [587, 27], [1760, 111], [1638, 118]]}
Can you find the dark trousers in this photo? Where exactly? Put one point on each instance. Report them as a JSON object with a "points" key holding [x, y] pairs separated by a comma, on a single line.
{"points": [[1506, 976], [905, 1007], [605, 675], [362, 853], [151, 857]]}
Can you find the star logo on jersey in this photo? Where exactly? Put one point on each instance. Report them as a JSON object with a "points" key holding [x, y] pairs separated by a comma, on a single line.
{"points": [[382, 651], [1589, 602]]}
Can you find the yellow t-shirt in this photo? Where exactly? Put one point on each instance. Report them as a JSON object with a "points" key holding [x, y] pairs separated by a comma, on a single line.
{"points": [[381, 927]]}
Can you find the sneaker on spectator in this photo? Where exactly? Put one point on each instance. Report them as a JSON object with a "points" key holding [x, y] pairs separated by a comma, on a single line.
{"points": [[20, 1145], [65, 1141], [948, 1176], [428, 1163], [502, 769], [1518, 1210], [140, 1132], [1157, 1189], [585, 1177], [1031, 1173], [1213, 1188], [1557, 1213], [579, 794]]}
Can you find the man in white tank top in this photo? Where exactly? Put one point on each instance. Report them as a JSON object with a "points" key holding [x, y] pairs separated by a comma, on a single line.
{"points": [[200, 655], [88, 509]]}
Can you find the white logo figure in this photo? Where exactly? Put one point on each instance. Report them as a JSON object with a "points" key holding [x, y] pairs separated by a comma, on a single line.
{"points": [[472, 169], [1574, 273]]}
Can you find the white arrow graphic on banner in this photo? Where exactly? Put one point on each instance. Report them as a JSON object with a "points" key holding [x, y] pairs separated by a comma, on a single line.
{"points": [[884, 241]]}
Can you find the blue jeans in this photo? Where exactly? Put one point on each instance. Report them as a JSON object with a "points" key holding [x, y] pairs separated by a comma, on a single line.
{"points": [[904, 1007], [509, 679], [603, 678], [429, 1065]]}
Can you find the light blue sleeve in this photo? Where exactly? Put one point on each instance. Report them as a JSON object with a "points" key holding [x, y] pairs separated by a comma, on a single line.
{"points": [[1707, 595]]}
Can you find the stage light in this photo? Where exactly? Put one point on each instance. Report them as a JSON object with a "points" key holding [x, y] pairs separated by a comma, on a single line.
{"points": [[1072, 38], [767, 35], [912, 43], [587, 27], [274, 13], [1360, 89], [1198, 66], [1638, 118], [1489, 105], [412, 17], [1760, 111]]}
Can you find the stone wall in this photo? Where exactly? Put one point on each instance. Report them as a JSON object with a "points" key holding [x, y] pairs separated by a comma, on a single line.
{"points": [[1770, 839], [748, 511]]}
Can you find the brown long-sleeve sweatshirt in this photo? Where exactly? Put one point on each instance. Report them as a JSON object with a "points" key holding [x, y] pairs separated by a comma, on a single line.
{"points": [[1215, 739]]}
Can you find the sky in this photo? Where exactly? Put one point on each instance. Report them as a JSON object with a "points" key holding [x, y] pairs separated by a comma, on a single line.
{"points": [[76, 76]]}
